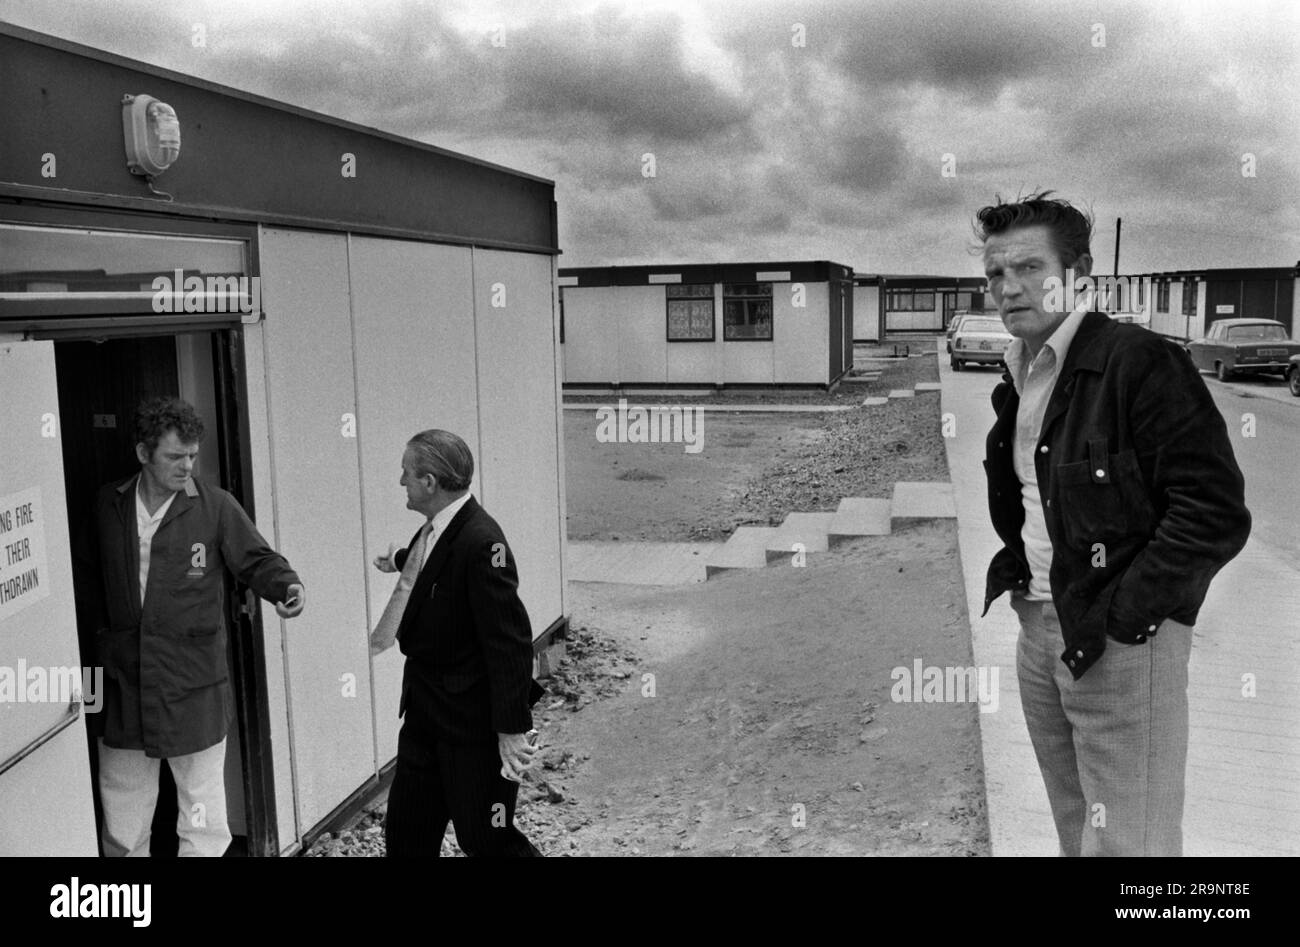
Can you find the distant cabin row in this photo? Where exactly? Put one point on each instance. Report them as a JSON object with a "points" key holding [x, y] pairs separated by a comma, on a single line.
{"points": [[793, 324]]}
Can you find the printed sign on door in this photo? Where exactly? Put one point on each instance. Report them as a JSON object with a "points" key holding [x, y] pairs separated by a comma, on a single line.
{"points": [[23, 573]]}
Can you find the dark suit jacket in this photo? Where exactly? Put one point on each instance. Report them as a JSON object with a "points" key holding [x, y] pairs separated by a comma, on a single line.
{"points": [[466, 636]]}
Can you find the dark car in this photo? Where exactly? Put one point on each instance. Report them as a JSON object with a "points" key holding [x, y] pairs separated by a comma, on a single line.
{"points": [[1235, 346], [1293, 376]]}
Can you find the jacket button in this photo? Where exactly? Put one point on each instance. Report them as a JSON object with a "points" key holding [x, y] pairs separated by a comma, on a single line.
{"points": [[1002, 444], [1071, 664], [1151, 627], [1043, 449], [1100, 472], [1078, 654], [1049, 503], [1141, 638]]}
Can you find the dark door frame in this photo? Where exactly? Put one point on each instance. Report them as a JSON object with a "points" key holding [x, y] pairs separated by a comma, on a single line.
{"points": [[243, 615], [248, 641]]}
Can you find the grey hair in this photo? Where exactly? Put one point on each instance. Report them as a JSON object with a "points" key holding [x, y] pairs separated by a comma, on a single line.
{"points": [[444, 456]]}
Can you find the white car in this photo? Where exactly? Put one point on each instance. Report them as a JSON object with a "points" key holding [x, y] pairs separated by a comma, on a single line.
{"points": [[981, 340]]}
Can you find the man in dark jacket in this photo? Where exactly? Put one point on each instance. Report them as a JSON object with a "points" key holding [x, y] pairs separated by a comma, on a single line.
{"points": [[1113, 485], [467, 687], [164, 544]]}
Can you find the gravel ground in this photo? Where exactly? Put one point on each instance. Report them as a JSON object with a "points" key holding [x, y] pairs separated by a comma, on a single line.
{"points": [[862, 454], [595, 667], [754, 468]]}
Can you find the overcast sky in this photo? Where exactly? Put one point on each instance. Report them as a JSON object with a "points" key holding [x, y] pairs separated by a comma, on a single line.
{"points": [[795, 130]]}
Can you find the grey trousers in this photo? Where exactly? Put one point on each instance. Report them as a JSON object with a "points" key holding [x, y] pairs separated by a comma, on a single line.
{"points": [[1112, 746]]}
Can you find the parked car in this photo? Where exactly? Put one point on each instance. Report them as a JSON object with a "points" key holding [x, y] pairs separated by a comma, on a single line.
{"points": [[1293, 376], [1233, 346], [955, 322], [980, 339]]}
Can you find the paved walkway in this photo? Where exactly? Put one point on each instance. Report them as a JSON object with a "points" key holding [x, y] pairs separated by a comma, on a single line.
{"points": [[1243, 768], [757, 408], [638, 563]]}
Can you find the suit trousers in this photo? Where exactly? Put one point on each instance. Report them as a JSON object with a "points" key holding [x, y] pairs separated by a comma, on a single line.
{"points": [[436, 782], [128, 791], [1112, 746]]}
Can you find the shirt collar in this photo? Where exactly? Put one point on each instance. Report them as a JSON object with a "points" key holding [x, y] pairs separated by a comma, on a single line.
{"points": [[142, 512], [1017, 354], [446, 514]]}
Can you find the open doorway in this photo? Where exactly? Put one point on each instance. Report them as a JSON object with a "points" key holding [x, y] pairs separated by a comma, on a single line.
{"points": [[100, 382]]}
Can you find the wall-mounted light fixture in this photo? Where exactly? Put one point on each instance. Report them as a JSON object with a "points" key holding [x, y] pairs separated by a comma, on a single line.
{"points": [[153, 137]]}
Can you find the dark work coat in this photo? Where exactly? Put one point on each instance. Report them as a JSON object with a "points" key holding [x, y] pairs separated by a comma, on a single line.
{"points": [[466, 636], [1142, 496], [166, 678]]}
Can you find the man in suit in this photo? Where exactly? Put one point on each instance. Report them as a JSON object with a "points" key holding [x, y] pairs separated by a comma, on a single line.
{"points": [[1113, 486], [467, 687], [152, 580]]}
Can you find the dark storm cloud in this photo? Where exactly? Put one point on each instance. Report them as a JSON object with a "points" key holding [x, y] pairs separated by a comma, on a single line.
{"points": [[830, 147], [622, 70]]}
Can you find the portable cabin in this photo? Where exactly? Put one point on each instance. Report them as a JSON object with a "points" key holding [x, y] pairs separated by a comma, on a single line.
{"points": [[716, 325], [320, 291], [894, 303], [1183, 304]]}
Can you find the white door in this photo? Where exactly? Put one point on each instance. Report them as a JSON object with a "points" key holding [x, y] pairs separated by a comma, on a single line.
{"points": [[46, 807]]}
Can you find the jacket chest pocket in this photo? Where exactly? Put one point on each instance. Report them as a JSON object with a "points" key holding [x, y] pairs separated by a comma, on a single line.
{"points": [[1103, 498]]}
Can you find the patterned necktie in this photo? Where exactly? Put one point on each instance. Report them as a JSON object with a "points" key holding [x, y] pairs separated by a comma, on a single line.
{"points": [[386, 632]]}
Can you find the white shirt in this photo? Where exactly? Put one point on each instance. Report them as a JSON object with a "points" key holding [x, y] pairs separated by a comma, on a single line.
{"points": [[440, 522], [1034, 381], [146, 525]]}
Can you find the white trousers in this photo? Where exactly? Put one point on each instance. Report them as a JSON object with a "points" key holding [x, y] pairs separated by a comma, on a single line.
{"points": [[128, 791]]}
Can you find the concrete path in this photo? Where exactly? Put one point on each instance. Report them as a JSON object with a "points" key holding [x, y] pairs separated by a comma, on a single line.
{"points": [[756, 408], [1243, 774], [638, 563]]}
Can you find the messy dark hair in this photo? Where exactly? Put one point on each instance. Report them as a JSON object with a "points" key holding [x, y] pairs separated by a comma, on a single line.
{"points": [[1071, 228], [156, 416]]}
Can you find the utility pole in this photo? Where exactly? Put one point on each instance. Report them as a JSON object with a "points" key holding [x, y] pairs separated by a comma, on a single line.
{"points": [[1119, 222]]}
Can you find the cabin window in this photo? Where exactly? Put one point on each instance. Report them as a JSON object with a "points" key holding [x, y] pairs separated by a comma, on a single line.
{"points": [[747, 312], [690, 312]]}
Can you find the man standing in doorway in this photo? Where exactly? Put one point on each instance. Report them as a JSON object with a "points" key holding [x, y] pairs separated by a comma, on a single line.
{"points": [[1114, 487], [164, 544], [467, 687]]}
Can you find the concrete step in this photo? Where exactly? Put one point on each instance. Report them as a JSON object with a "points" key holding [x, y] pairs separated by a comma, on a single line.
{"points": [[915, 502], [858, 516], [805, 529], [745, 549]]}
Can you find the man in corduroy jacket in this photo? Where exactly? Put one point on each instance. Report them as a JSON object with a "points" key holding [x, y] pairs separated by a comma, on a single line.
{"points": [[1112, 483]]}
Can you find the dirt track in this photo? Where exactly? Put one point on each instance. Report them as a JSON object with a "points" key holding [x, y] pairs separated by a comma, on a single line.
{"points": [[772, 691]]}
